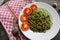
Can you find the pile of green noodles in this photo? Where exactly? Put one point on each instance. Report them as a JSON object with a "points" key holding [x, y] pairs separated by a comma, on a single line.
{"points": [[40, 20]]}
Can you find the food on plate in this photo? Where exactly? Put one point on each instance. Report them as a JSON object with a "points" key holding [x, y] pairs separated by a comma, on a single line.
{"points": [[25, 26], [34, 7], [28, 11], [35, 19], [24, 17], [40, 20]]}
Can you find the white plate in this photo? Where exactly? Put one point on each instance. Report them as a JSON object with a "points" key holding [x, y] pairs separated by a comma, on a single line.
{"points": [[50, 33]]}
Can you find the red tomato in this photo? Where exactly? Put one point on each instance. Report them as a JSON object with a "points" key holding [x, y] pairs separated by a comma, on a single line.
{"points": [[25, 26], [28, 11], [24, 17], [34, 7]]}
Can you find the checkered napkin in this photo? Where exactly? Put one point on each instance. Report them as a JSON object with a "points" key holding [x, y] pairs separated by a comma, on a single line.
{"points": [[9, 12]]}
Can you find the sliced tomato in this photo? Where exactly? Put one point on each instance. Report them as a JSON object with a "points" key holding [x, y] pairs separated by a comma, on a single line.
{"points": [[25, 26], [34, 7], [24, 17], [28, 11]]}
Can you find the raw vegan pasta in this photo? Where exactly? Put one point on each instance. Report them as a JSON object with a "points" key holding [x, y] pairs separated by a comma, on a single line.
{"points": [[40, 20]]}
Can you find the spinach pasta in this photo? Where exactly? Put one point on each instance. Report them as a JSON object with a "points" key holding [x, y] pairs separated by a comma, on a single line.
{"points": [[40, 20]]}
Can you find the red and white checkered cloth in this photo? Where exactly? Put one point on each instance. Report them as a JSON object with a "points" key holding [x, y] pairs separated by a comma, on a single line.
{"points": [[6, 17]]}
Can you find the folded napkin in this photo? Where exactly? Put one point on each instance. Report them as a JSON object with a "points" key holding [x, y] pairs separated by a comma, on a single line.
{"points": [[7, 19]]}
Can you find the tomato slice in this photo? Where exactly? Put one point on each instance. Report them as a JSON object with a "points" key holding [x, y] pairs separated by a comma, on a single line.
{"points": [[24, 17], [28, 11], [25, 26], [34, 7]]}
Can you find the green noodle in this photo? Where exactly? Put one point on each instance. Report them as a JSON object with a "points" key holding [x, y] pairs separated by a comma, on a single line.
{"points": [[40, 20]]}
